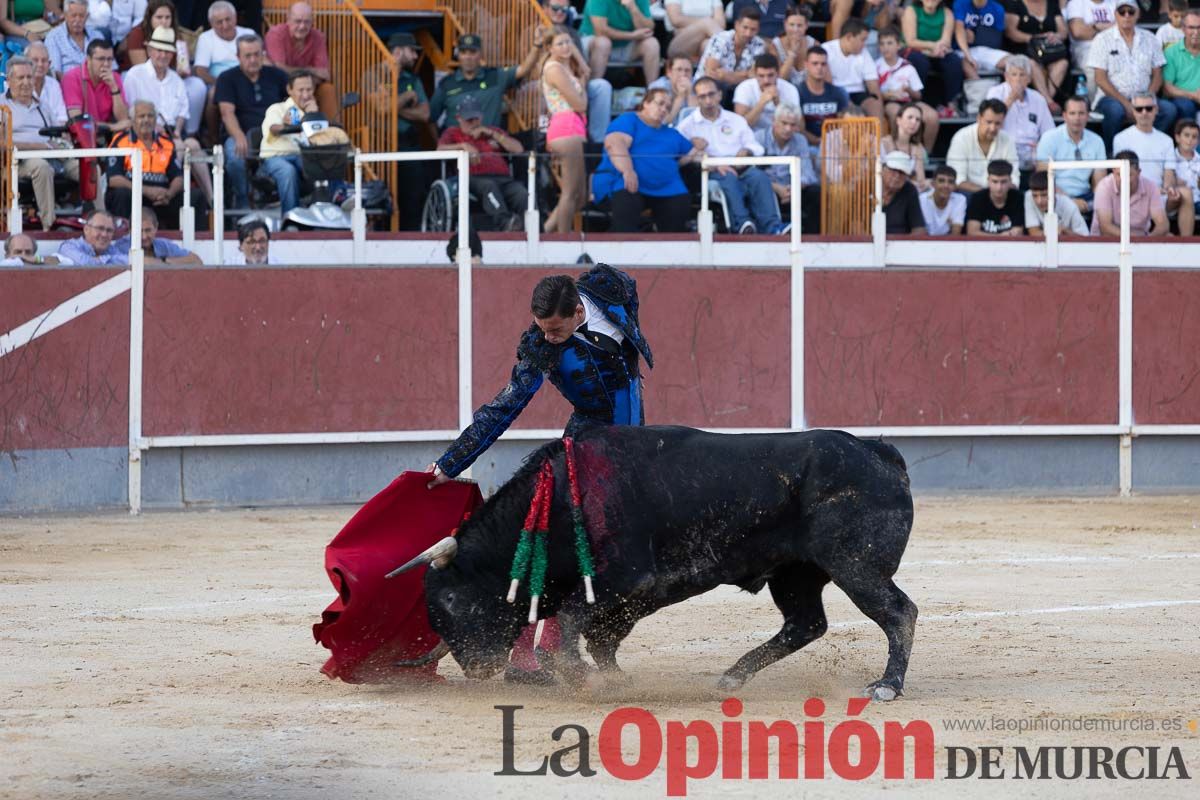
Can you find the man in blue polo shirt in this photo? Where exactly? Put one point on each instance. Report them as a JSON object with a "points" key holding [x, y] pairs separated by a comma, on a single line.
{"points": [[979, 32], [1072, 141]]}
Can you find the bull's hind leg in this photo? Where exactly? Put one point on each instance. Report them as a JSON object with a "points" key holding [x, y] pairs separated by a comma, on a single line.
{"points": [[796, 591], [882, 601]]}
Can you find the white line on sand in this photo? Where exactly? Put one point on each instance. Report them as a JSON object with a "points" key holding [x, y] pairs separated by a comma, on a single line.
{"points": [[937, 562], [1029, 612]]}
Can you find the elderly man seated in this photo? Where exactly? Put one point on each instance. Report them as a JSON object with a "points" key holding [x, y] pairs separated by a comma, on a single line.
{"points": [[281, 151], [162, 179], [68, 41], [154, 80], [785, 137], [901, 203], [1028, 117], [96, 247], [298, 45], [28, 117], [504, 198], [217, 52], [21, 250], [157, 250]]}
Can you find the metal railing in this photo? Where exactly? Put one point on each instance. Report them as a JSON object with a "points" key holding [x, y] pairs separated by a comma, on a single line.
{"points": [[8, 185]]}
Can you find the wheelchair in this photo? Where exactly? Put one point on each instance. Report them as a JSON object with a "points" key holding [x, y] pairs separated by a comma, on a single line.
{"points": [[440, 213], [716, 198]]}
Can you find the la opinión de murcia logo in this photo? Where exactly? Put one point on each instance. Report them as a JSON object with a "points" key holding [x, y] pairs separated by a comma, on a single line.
{"points": [[737, 749]]}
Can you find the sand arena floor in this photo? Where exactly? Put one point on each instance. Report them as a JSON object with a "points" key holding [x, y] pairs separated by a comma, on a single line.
{"points": [[170, 656]]}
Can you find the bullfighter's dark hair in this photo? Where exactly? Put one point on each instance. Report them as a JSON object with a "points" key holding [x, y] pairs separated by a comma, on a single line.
{"points": [[555, 296]]}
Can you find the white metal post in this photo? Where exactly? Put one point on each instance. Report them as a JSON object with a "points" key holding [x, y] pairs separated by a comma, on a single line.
{"points": [[14, 212], [187, 214], [704, 222], [1050, 220], [532, 220], [1125, 340], [878, 219], [218, 225], [358, 218], [465, 349], [136, 314], [797, 301]]}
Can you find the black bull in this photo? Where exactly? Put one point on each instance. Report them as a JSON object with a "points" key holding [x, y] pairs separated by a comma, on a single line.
{"points": [[674, 512]]}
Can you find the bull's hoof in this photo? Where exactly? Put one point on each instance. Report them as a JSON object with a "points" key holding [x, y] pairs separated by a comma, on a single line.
{"points": [[881, 691], [729, 682]]}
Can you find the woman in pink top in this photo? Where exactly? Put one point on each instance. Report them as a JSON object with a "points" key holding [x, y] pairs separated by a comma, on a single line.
{"points": [[566, 101]]}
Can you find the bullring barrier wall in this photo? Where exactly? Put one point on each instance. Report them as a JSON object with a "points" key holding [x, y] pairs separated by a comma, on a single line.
{"points": [[279, 350]]}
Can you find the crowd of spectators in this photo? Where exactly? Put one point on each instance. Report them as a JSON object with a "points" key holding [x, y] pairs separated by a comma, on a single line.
{"points": [[694, 78]]}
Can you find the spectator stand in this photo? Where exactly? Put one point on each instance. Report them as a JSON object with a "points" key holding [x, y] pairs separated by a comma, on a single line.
{"points": [[355, 50]]}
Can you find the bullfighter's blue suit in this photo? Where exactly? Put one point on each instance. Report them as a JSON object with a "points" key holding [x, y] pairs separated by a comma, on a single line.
{"points": [[598, 375]]}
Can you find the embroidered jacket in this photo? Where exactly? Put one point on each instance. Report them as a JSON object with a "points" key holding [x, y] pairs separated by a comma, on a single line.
{"points": [[596, 374]]}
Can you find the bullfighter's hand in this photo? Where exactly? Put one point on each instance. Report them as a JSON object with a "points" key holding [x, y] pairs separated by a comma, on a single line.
{"points": [[439, 477]]}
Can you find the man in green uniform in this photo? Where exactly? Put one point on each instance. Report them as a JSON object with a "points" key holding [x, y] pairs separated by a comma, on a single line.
{"points": [[486, 84]]}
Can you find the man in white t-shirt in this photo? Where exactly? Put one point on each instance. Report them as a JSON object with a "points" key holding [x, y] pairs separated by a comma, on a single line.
{"points": [[1037, 205], [1085, 19], [1156, 156], [757, 98], [943, 208], [852, 68]]}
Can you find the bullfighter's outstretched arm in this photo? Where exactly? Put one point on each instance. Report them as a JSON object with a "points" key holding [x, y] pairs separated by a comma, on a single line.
{"points": [[493, 419]]}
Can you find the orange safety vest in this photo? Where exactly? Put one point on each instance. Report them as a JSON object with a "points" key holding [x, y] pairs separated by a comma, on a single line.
{"points": [[156, 159]]}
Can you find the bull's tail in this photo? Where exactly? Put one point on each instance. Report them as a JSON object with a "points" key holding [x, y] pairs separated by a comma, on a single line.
{"points": [[887, 452]]}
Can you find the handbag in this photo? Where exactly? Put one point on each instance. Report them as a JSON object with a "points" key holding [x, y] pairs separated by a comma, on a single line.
{"points": [[1041, 50]]}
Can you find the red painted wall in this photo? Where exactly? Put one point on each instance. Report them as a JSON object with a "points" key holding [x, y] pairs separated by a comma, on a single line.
{"points": [[294, 350]]}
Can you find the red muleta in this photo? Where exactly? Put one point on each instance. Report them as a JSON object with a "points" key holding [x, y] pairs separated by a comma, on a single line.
{"points": [[376, 622]]}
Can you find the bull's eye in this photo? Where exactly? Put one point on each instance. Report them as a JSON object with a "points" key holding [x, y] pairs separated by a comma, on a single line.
{"points": [[448, 600]]}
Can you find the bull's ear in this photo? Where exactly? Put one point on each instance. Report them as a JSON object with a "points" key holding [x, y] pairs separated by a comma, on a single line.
{"points": [[439, 556]]}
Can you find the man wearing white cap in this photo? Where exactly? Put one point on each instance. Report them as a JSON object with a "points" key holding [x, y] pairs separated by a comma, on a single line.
{"points": [[154, 81], [901, 203]]}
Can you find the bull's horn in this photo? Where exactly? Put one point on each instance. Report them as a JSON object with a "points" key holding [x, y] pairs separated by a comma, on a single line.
{"points": [[435, 654], [439, 556]]}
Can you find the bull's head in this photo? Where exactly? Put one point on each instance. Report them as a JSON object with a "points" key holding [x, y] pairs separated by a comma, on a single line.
{"points": [[467, 609]]}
